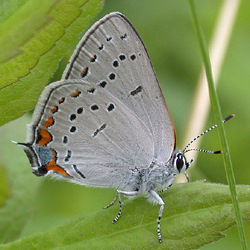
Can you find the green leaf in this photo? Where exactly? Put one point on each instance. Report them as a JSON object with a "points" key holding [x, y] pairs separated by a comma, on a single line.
{"points": [[18, 183], [33, 39], [4, 191], [195, 215]]}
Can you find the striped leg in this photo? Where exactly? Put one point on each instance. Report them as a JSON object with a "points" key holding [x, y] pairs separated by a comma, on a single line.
{"points": [[163, 190], [111, 203], [161, 203], [118, 196]]}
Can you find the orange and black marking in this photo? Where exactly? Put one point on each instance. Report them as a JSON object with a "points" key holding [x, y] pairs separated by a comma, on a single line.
{"points": [[76, 93], [54, 109], [54, 167], [91, 90], [43, 137], [60, 101], [93, 58], [50, 121], [84, 72]]}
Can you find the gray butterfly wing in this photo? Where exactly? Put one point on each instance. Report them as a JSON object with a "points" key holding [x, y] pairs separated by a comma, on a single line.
{"points": [[88, 135], [113, 56]]}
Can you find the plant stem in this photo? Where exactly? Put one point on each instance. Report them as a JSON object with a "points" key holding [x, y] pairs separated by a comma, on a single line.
{"points": [[218, 117]]}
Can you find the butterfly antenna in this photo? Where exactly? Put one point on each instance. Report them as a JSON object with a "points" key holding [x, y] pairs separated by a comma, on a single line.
{"points": [[185, 150], [204, 151]]}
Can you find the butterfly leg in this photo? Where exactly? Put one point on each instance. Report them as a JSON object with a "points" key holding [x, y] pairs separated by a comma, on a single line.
{"points": [[188, 179], [163, 190], [118, 196], [159, 200], [111, 203]]}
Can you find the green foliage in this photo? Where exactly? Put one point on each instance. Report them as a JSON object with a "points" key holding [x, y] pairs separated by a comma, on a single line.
{"points": [[33, 39], [218, 115], [4, 191], [18, 184], [196, 214]]}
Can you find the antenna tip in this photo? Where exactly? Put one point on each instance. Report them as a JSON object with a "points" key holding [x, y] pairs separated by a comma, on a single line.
{"points": [[218, 152], [228, 118]]}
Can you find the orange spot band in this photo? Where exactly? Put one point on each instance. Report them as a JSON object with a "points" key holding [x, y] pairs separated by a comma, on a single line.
{"points": [[44, 137], [84, 72], [52, 166], [61, 100], [57, 169], [76, 93], [49, 122], [54, 109]]}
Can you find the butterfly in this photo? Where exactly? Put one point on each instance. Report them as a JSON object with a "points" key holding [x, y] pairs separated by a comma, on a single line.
{"points": [[106, 123]]}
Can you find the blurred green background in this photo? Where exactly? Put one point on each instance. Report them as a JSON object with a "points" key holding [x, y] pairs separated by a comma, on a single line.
{"points": [[166, 27]]}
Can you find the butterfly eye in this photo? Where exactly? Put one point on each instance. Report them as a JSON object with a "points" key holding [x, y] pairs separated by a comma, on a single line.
{"points": [[179, 164], [179, 161]]}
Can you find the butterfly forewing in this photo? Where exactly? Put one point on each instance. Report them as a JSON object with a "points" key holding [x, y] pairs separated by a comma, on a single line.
{"points": [[112, 56]]}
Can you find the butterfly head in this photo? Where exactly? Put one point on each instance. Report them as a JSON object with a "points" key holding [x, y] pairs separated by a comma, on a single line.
{"points": [[180, 163]]}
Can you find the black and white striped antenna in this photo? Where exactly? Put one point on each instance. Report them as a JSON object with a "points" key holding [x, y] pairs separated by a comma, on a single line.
{"points": [[185, 150]]}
